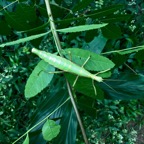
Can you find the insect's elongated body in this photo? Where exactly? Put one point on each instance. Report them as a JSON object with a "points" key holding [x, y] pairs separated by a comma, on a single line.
{"points": [[65, 65]]}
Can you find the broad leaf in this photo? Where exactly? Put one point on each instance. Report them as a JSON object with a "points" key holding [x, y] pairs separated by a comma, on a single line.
{"points": [[119, 59], [41, 27], [4, 28], [21, 22], [22, 40], [39, 79], [85, 87], [128, 86], [81, 28], [50, 130], [140, 56], [87, 104], [65, 114], [95, 63], [26, 141], [111, 31], [68, 124], [96, 45]]}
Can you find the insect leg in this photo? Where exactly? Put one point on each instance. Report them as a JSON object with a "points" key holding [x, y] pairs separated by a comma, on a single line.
{"points": [[82, 66], [102, 71], [56, 72], [94, 87]]}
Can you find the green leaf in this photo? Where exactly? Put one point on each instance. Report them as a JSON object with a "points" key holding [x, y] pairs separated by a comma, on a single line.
{"points": [[107, 11], [22, 40], [111, 31], [130, 50], [82, 28], [68, 124], [68, 121], [50, 130], [85, 87], [128, 87], [4, 28], [104, 12], [116, 18], [38, 28], [95, 63], [140, 56], [26, 141], [87, 104], [96, 45], [127, 50], [39, 79], [81, 4], [22, 17], [119, 59]]}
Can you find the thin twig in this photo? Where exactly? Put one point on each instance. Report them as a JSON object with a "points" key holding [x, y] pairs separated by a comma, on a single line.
{"points": [[77, 113], [58, 45]]}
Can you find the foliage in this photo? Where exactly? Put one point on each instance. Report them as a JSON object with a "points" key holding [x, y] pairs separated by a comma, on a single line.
{"points": [[112, 123], [25, 24]]}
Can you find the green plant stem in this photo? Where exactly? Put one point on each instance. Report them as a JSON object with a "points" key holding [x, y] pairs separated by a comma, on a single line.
{"points": [[41, 121], [53, 28], [59, 48]]}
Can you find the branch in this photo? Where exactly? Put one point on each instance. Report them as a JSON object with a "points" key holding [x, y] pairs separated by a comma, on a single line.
{"points": [[58, 45]]}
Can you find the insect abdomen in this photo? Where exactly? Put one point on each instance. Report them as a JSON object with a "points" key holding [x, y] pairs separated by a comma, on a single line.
{"points": [[63, 64]]}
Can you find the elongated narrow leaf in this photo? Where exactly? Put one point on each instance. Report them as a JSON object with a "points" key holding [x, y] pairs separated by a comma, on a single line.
{"points": [[131, 50], [116, 18], [95, 63], [50, 130], [22, 40], [38, 28], [26, 141], [82, 28], [127, 50], [81, 4], [39, 79], [104, 12]]}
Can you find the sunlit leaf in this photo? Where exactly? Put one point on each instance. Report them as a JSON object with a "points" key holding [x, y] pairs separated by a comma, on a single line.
{"points": [[50, 130], [39, 79], [26, 141], [22, 40], [95, 63], [127, 50], [81, 28], [97, 44], [131, 50], [57, 95]]}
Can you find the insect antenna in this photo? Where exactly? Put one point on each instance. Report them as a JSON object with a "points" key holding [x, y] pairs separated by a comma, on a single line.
{"points": [[109, 87], [113, 80]]}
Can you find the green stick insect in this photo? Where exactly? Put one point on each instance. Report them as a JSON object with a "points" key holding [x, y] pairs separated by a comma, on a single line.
{"points": [[67, 66]]}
